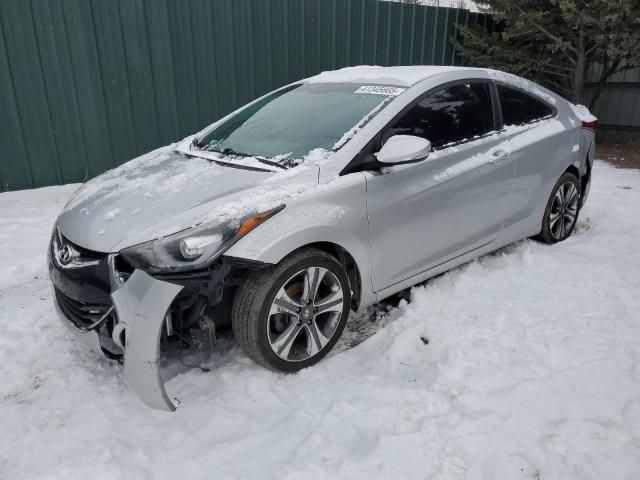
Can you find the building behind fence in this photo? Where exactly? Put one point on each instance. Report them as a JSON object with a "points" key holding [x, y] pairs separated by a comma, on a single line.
{"points": [[86, 85], [618, 109]]}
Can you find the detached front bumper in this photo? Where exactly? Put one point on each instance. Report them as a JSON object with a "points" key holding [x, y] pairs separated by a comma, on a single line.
{"points": [[128, 315], [140, 306]]}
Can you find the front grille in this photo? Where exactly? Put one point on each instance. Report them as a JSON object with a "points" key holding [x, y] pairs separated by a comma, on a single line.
{"points": [[83, 315]]}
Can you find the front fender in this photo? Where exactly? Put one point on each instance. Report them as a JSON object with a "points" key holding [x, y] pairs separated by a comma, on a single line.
{"points": [[335, 214]]}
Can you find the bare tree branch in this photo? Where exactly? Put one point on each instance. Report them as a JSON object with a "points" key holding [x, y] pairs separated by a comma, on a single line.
{"points": [[558, 74]]}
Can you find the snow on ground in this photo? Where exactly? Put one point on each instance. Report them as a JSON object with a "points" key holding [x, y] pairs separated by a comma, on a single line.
{"points": [[26, 221], [522, 365]]}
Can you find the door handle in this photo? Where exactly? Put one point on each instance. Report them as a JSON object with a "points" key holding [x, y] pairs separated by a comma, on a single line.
{"points": [[498, 157]]}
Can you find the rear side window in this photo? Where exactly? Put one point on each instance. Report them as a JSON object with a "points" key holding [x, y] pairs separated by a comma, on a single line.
{"points": [[451, 115], [519, 108]]}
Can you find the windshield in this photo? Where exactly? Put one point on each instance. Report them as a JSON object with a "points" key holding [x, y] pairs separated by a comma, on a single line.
{"points": [[292, 122]]}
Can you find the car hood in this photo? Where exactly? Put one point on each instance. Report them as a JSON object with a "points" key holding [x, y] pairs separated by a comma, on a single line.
{"points": [[165, 191]]}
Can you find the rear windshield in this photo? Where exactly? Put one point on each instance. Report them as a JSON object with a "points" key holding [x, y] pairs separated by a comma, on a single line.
{"points": [[294, 121]]}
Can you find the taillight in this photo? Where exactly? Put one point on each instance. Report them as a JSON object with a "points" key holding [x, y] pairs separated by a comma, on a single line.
{"points": [[593, 126]]}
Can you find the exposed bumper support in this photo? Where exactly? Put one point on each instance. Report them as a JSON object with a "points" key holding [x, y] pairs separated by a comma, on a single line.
{"points": [[141, 304]]}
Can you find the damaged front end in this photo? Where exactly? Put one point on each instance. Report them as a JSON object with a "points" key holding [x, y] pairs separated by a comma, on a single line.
{"points": [[129, 315]]}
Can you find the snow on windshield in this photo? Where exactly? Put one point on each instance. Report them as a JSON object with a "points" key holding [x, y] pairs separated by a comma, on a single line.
{"points": [[295, 120]]}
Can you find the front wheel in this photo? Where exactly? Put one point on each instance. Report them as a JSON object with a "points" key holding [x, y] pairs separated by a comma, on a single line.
{"points": [[561, 214], [287, 317]]}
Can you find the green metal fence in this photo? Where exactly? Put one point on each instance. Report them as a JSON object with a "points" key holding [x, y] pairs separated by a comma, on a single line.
{"points": [[88, 84]]}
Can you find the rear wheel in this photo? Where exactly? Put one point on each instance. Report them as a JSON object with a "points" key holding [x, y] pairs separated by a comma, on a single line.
{"points": [[289, 316], [561, 214]]}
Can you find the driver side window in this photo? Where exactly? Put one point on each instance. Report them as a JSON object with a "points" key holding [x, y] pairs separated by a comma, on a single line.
{"points": [[451, 115]]}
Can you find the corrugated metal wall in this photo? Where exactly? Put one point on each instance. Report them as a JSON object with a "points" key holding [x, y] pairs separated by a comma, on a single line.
{"points": [[88, 84], [619, 105]]}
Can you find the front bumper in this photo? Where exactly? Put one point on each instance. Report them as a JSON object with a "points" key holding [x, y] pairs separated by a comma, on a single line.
{"points": [[118, 318], [126, 314], [140, 306]]}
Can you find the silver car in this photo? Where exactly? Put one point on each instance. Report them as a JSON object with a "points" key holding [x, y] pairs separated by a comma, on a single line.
{"points": [[324, 196]]}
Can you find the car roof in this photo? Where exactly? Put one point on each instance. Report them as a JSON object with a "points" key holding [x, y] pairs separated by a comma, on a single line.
{"points": [[404, 76]]}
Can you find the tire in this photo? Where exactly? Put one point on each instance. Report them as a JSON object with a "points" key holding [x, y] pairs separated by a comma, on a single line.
{"points": [[563, 208], [273, 320]]}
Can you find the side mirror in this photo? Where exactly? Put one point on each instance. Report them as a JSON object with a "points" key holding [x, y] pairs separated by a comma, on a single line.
{"points": [[401, 149]]}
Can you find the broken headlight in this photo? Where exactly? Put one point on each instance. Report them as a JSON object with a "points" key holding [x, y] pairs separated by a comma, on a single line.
{"points": [[192, 248]]}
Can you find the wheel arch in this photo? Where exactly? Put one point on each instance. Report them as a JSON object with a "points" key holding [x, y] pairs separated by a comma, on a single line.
{"points": [[348, 262], [573, 170], [552, 178], [349, 246]]}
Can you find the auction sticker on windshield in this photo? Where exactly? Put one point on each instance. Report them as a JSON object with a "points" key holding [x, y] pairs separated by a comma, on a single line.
{"points": [[378, 90]]}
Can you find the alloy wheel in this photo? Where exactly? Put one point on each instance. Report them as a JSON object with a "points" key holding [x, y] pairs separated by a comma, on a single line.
{"points": [[305, 314], [564, 211]]}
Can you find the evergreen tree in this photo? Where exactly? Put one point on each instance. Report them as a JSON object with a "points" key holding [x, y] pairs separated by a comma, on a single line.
{"points": [[555, 42]]}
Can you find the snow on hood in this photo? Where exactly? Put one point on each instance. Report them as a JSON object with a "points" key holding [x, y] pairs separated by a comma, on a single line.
{"points": [[164, 192], [372, 74]]}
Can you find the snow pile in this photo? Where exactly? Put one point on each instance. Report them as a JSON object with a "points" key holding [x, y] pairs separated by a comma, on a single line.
{"points": [[522, 365], [583, 113], [111, 215]]}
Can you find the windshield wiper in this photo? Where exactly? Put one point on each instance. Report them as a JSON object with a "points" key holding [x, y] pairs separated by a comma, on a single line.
{"points": [[235, 153], [272, 163], [231, 151], [224, 151]]}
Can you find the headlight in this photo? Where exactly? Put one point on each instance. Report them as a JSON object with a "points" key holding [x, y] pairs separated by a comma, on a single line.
{"points": [[193, 248]]}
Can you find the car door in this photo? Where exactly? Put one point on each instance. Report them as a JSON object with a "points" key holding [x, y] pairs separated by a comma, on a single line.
{"points": [[540, 145], [424, 214]]}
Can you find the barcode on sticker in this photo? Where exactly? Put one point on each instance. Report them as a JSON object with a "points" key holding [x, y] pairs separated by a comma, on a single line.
{"points": [[378, 90]]}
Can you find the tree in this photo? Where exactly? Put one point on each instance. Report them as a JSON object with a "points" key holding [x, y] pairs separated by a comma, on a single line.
{"points": [[555, 42]]}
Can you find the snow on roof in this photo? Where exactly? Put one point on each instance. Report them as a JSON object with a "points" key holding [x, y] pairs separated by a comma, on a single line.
{"points": [[376, 75], [523, 83]]}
